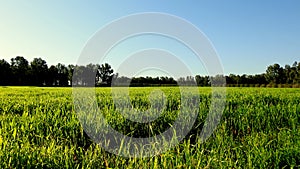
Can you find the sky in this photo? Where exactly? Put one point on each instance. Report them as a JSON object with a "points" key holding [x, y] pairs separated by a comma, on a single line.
{"points": [[247, 35]]}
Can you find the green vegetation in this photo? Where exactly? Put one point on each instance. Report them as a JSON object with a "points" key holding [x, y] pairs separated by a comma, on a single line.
{"points": [[259, 129], [19, 72]]}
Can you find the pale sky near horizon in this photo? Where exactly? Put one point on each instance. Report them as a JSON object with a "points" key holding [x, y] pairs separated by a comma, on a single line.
{"points": [[247, 35]]}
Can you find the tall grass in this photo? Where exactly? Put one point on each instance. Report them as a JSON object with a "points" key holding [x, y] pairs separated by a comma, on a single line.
{"points": [[259, 129]]}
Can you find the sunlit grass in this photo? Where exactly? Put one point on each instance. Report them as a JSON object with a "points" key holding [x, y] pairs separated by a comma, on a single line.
{"points": [[259, 129]]}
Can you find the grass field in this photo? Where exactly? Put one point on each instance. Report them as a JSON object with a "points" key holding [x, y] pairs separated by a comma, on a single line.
{"points": [[260, 128]]}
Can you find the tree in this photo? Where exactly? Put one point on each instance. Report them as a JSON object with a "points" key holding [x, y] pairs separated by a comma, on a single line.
{"points": [[89, 75], [294, 73], [105, 73], [62, 75], [39, 70], [52, 76], [217, 80], [297, 80], [121, 81], [259, 79], [288, 74], [274, 74], [20, 69], [71, 69], [199, 80], [19, 72], [5, 73], [77, 77]]}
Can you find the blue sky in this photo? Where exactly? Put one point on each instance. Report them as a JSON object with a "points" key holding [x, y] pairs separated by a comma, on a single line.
{"points": [[247, 35]]}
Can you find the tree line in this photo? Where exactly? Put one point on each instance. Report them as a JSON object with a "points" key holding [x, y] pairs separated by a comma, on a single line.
{"points": [[20, 72], [275, 76]]}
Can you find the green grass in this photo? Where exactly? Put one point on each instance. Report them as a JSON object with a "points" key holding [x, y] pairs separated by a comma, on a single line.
{"points": [[259, 129]]}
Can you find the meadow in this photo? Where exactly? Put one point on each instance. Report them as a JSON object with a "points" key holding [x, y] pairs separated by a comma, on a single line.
{"points": [[259, 128]]}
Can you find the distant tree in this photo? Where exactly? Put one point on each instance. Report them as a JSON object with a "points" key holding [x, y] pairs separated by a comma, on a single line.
{"points": [[120, 81], [5, 73], [62, 75], [20, 70], [190, 80], [259, 79], [171, 80], [181, 81], [295, 64], [52, 76], [274, 74], [297, 79], [90, 74], [218, 80], [70, 73], [202, 80], [105, 73], [39, 71], [236, 79], [114, 79], [293, 74], [162, 79], [288, 73], [244, 79], [77, 78]]}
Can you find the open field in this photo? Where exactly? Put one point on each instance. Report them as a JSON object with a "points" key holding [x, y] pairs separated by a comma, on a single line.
{"points": [[260, 128]]}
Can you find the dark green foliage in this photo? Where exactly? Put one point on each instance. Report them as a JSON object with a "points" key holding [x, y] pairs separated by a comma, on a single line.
{"points": [[37, 73]]}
